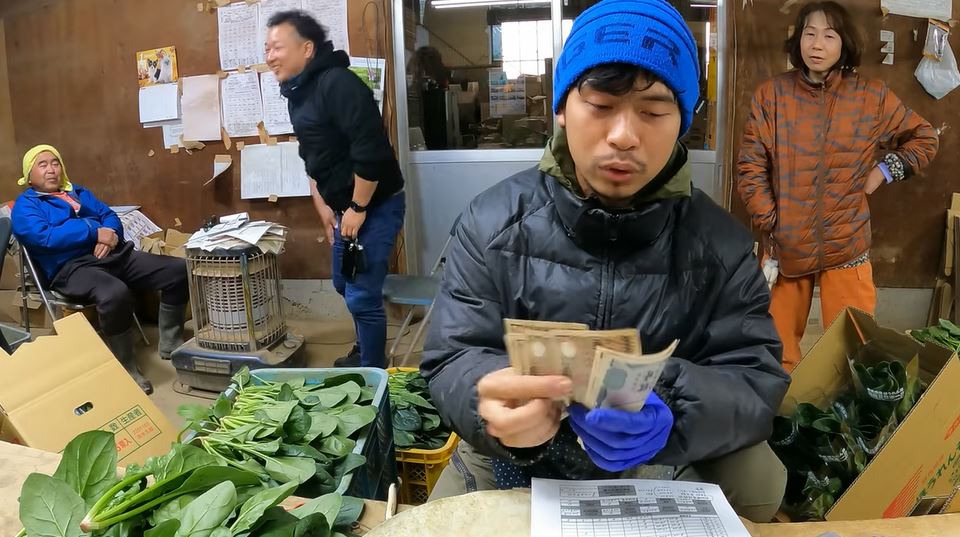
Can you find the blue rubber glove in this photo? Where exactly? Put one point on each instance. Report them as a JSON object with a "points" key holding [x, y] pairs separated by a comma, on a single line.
{"points": [[617, 440]]}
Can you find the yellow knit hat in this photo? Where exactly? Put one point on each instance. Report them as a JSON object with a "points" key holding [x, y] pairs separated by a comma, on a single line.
{"points": [[30, 158]]}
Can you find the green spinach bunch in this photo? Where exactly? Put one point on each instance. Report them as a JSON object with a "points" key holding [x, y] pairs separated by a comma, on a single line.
{"points": [[184, 493], [416, 423], [945, 334], [286, 432]]}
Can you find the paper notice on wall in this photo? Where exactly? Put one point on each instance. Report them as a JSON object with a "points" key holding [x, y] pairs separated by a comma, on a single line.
{"points": [[888, 48], [201, 108], [238, 30], [221, 163], [272, 170], [373, 72], [332, 15], [276, 114], [240, 100], [159, 103], [888, 59], [886, 36], [269, 8], [507, 97], [925, 9], [172, 134]]}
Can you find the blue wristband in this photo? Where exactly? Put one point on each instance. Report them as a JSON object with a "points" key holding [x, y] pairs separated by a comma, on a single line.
{"points": [[886, 172]]}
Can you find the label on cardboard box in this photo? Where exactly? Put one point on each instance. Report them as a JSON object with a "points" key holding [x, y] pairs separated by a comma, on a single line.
{"points": [[55, 391]]}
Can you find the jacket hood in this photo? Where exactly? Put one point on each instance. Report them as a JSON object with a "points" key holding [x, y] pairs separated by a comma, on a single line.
{"points": [[326, 58]]}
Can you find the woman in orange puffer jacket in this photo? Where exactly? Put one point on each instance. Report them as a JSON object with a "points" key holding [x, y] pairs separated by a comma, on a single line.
{"points": [[819, 140]]}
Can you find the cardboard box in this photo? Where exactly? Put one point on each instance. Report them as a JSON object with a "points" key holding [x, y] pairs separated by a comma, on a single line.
{"points": [[170, 243], [62, 385], [918, 470]]}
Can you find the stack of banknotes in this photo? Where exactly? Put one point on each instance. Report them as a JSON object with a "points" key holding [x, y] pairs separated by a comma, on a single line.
{"points": [[607, 367]]}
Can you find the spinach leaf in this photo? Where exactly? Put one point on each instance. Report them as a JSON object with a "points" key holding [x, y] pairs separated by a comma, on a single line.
{"points": [[286, 469], [349, 463], [344, 378], [171, 510], [208, 511], [302, 450], [337, 446], [277, 413], [277, 522], [204, 478], [403, 439], [222, 407], [89, 465], [354, 419], [180, 459], [286, 393], [193, 412], [314, 525], [255, 507], [167, 528], [349, 512], [328, 505], [407, 419], [321, 425], [297, 426], [431, 422], [50, 508], [330, 397]]}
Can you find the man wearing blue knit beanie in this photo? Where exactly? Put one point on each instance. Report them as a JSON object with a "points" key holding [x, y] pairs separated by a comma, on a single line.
{"points": [[608, 232]]}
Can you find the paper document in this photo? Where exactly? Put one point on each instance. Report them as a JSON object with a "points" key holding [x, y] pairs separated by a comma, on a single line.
{"points": [[332, 15], [888, 59], [272, 170], [276, 114], [269, 8], [240, 99], [136, 226], [267, 236], [886, 35], [172, 134], [159, 103], [925, 9], [631, 508], [239, 36], [201, 108], [123, 209]]}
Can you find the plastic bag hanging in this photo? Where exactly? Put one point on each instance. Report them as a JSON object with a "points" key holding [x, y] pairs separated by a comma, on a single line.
{"points": [[938, 72]]}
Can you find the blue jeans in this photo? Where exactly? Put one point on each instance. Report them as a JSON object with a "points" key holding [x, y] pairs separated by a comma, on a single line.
{"points": [[364, 295]]}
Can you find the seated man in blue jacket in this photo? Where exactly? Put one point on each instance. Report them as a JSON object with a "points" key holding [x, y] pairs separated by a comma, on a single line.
{"points": [[77, 242], [609, 232]]}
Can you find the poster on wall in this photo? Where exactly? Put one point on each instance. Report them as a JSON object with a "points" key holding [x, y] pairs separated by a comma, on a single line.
{"points": [[157, 66], [507, 97], [372, 71]]}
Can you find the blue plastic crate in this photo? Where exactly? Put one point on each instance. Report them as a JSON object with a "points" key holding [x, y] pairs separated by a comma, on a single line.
{"points": [[375, 442]]}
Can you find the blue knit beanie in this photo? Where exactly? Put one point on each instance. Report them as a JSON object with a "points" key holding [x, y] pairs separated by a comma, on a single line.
{"points": [[647, 33]]}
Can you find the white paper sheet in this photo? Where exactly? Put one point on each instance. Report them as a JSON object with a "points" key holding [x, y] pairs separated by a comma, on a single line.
{"points": [[886, 35], [276, 114], [123, 209], [269, 8], [137, 226], [932, 9], [888, 48], [631, 508], [242, 109], [272, 170], [238, 30], [888, 59], [172, 135], [159, 103], [201, 108], [221, 163], [332, 15]]}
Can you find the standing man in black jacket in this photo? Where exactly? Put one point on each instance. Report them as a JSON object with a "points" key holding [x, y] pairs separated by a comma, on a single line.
{"points": [[608, 231], [358, 186]]}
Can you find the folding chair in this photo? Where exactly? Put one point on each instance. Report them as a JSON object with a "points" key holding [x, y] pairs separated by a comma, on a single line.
{"points": [[414, 291], [17, 337], [34, 285]]}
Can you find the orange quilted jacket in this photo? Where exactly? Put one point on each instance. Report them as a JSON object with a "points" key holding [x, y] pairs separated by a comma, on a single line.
{"points": [[806, 153]]}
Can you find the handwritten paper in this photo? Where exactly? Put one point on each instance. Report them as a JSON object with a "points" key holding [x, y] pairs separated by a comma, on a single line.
{"points": [[332, 15], [276, 114], [925, 9], [240, 99], [238, 28], [201, 108], [269, 8], [172, 135], [272, 170], [159, 103], [136, 226]]}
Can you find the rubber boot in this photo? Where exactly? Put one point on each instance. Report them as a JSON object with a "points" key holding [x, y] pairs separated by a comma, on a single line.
{"points": [[121, 345], [170, 322]]}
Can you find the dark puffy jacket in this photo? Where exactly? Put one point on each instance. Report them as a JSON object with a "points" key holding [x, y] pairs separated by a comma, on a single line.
{"points": [[678, 268], [340, 130]]}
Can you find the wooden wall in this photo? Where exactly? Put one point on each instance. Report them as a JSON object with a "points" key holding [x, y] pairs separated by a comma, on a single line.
{"points": [[908, 218], [72, 83]]}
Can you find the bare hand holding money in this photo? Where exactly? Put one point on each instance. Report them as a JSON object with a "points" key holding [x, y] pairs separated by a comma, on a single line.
{"points": [[519, 410]]}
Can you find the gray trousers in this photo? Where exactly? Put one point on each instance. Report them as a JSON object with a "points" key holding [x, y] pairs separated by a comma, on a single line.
{"points": [[753, 479]]}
